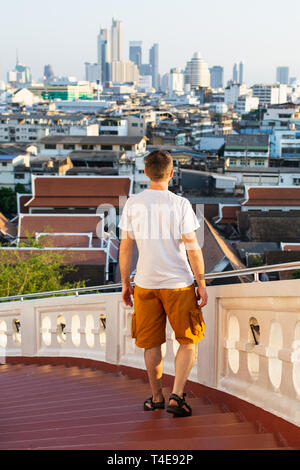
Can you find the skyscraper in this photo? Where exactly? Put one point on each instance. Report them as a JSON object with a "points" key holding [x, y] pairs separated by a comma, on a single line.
{"points": [[241, 72], [145, 69], [235, 73], [135, 52], [154, 62], [124, 71], [282, 75], [104, 54], [197, 72], [20, 74], [92, 72], [116, 40], [176, 80], [48, 73], [216, 76]]}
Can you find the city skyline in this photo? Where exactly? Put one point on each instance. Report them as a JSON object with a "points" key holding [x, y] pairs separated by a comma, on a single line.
{"points": [[179, 34]]}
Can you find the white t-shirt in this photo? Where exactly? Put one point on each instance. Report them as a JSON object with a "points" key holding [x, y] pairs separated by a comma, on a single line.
{"points": [[157, 220]]}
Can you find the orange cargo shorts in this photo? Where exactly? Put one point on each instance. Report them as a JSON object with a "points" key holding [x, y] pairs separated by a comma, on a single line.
{"points": [[152, 307]]}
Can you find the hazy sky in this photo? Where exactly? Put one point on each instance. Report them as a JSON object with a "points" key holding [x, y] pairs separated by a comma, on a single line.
{"points": [[63, 33]]}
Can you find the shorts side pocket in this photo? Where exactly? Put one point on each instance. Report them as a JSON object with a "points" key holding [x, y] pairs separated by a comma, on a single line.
{"points": [[197, 323], [133, 325]]}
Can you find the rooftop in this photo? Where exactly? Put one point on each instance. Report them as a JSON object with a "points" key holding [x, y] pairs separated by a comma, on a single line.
{"points": [[245, 140], [272, 196], [63, 226], [78, 191], [101, 139]]}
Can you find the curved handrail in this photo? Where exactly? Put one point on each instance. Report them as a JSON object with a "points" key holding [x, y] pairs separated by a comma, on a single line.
{"points": [[115, 287]]}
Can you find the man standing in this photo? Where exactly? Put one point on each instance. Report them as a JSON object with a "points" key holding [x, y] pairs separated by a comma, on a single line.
{"points": [[163, 226]]}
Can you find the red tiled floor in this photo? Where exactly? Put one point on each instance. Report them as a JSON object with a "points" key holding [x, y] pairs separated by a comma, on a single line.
{"points": [[55, 407]]}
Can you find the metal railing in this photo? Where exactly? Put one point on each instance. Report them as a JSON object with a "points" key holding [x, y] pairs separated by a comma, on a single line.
{"points": [[117, 287]]}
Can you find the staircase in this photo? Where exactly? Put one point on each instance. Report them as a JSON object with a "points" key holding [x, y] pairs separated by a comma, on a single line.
{"points": [[58, 407]]}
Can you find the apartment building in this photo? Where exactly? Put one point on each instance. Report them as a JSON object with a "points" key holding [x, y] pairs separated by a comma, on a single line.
{"points": [[25, 127], [245, 104], [114, 126], [247, 150], [58, 145], [285, 143], [282, 116], [270, 94], [11, 169]]}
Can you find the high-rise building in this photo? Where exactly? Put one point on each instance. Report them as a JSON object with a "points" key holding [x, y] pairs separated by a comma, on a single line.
{"points": [[20, 75], [235, 73], [197, 72], [216, 76], [135, 52], [146, 69], [48, 73], [270, 94], [282, 75], [176, 81], [165, 82], [104, 54], [92, 72], [241, 72], [154, 62], [124, 71], [116, 40]]}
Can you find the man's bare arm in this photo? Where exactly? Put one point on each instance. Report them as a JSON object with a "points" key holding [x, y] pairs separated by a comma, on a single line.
{"points": [[125, 254], [196, 260]]}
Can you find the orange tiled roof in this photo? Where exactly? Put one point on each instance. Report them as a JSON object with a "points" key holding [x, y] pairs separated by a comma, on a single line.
{"points": [[228, 215], [291, 247], [272, 196], [78, 191], [7, 227], [62, 224]]}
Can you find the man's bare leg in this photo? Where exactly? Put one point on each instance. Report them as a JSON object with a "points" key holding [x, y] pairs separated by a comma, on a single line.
{"points": [[184, 362], [154, 365]]}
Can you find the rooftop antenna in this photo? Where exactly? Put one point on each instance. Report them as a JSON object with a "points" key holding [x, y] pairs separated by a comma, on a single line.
{"points": [[17, 56]]}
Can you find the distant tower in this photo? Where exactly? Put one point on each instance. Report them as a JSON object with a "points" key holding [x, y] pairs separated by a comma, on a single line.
{"points": [[282, 75], [216, 76], [135, 52], [176, 80], [104, 54], [241, 72], [154, 62], [197, 72], [116, 40], [48, 73], [235, 73]]}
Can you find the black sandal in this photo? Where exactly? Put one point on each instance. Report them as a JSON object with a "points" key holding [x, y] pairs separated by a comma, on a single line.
{"points": [[153, 405], [179, 410]]}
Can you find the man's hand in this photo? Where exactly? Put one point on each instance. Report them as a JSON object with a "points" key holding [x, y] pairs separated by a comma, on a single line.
{"points": [[125, 253], [127, 292], [201, 294]]}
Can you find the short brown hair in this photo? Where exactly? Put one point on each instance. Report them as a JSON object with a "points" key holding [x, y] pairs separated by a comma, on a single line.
{"points": [[158, 165]]}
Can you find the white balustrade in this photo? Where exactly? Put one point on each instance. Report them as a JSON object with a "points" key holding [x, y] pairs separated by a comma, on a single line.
{"points": [[251, 347]]}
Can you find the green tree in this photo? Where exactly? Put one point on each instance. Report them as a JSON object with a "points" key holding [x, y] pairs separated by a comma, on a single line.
{"points": [[296, 274], [257, 260], [8, 199], [8, 202], [34, 270]]}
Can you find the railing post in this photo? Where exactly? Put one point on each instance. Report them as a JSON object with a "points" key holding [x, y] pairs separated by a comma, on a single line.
{"points": [[29, 330], [112, 307]]}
